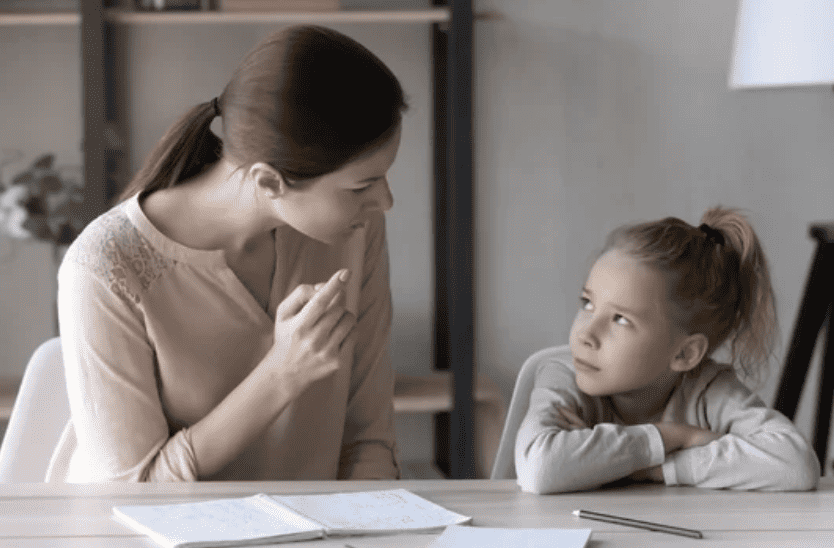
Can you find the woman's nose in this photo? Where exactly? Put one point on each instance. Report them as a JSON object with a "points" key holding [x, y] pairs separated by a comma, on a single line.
{"points": [[382, 198]]}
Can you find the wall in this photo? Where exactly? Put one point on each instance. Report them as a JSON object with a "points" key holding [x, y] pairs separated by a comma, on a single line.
{"points": [[40, 111], [594, 113]]}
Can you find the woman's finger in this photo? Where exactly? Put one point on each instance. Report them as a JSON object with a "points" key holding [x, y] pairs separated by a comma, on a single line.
{"points": [[320, 301], [295, 301], [343, 330]]}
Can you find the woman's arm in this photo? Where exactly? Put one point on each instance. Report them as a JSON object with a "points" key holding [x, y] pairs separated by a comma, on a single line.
{"points": [[368, 445], [116, 411], [552, 456], [758, 448], [117, 416]]}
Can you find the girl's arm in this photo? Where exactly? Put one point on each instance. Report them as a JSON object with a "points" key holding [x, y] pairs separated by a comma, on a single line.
{"points": [[759, 448], [368, 445], [551, 456]]}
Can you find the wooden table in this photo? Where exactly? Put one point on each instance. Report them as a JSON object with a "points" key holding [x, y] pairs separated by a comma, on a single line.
{"points": [[80, 515]]}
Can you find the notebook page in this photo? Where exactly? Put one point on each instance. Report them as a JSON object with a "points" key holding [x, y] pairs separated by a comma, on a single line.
{"points": [[372, 512], [220, 522], [490, 537]]}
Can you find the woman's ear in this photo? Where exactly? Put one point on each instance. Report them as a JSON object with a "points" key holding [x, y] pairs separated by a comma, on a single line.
{"points": [[267, 179], [690, 352]]}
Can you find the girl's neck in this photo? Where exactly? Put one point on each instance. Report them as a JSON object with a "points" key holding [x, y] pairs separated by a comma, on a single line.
{"points": [[645, 404]]}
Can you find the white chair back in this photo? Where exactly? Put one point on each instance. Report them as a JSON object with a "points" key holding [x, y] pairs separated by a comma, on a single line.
{"points": [[39, 415], [504, 465]]}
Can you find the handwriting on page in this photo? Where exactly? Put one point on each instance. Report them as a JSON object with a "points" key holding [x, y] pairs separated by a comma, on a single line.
{"points": [[372, 511], [215, 520]]}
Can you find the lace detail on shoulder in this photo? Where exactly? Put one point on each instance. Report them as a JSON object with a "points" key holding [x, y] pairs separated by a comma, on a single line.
{"points": [[114, 250]]}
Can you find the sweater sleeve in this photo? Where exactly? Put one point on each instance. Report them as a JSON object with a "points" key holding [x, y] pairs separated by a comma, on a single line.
{"points": [[122, 433], [552, 460], [368, 444], [760, 449]]}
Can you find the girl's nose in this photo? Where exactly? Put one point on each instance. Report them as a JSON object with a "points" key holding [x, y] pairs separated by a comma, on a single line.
{"points": [[588, 334]]}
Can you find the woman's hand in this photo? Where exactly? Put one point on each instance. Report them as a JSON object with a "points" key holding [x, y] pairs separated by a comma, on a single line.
{"points": [[311, 326]]}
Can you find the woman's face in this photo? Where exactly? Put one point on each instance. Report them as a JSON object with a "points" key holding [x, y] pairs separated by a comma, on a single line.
{"points": [[329, 208]]}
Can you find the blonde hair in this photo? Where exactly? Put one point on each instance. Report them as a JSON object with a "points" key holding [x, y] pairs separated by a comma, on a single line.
{"points": [[719, 281]]}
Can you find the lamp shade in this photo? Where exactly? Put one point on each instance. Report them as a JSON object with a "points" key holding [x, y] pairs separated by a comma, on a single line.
{"points": [[783, 43]]}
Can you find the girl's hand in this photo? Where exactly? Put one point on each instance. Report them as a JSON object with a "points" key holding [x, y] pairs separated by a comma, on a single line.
{"points": [[652, 474], [567, 419], [678, 436], [311, 326]]}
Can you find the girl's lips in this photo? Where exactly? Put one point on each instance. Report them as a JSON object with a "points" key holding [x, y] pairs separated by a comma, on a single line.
{"points": [[583, 365]]}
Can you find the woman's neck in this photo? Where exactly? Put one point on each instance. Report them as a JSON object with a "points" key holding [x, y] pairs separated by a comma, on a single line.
{"points": [[216, 209]]}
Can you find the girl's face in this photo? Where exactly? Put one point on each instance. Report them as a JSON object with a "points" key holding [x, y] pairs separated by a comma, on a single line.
{"points": [[622, 338], [329, 208]]}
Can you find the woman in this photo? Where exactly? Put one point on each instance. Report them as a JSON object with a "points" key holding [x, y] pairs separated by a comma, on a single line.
{"points": [[229, 319]]}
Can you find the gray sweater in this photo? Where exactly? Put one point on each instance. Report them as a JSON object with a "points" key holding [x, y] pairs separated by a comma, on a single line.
{"points": [[760, 449]]}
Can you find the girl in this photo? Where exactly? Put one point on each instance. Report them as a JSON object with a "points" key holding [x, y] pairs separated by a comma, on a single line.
{"points": [[639, 396], [200, 339]]}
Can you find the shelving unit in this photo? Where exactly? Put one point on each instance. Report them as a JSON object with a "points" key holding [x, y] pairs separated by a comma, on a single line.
{"points": [[39, 19], [435, 15], [452, 23]]}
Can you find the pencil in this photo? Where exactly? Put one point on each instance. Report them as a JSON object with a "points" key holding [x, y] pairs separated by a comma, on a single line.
{"points": [[660, 528]]}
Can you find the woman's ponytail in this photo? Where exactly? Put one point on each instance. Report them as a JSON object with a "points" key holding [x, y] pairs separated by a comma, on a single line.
{"points": [[184, 151]]}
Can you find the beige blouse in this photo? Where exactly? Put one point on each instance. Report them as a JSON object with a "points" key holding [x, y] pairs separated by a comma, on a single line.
{"points": [[156, 334]]}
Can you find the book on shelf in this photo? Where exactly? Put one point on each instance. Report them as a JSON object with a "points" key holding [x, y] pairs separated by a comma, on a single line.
{"points": [[499, 537], [279, 5], [263, 518]]}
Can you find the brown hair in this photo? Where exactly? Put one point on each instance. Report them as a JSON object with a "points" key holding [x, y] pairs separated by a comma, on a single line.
{"points": [[720, 283], [306, 100]]}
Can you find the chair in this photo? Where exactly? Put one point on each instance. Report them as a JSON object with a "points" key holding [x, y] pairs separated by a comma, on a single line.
{"points": [[816, 308], [40, 412], [504, 464]]}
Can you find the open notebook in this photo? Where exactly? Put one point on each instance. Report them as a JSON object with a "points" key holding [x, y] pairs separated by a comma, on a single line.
{"points": [[263, 519]]}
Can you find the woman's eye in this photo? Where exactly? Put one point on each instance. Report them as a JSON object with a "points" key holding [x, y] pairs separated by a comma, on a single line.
{"points": [[360, 190], [585, 303], [620, 319]]}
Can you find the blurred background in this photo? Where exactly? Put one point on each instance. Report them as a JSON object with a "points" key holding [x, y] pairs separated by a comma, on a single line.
{"points": [[587, 114]]}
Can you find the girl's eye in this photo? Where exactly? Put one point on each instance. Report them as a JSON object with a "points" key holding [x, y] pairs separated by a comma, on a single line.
{"points": [[360, 190], [585, 303], [621, 320]]}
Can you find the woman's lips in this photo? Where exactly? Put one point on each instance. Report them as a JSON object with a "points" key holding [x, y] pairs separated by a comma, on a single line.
{"points": [[583, 365]]}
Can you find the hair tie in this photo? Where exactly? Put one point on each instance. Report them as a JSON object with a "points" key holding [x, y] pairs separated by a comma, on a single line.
{"points": [[216, 106], [712, 235]]}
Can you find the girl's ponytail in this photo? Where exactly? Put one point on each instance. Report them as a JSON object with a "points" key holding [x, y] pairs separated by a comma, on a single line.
{"points": [[185, 149], [743, 260]]}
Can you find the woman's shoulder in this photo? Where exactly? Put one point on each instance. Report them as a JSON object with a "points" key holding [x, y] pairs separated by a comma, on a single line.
{"points": [[113, 249]]}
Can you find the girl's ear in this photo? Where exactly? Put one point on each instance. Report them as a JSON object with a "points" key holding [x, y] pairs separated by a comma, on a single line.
{"points": [[267, 179], [690, 352]]}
